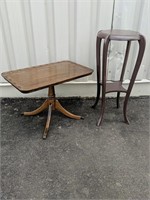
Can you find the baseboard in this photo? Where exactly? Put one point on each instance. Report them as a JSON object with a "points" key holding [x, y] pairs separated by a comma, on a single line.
{"points": [[73, 89]]}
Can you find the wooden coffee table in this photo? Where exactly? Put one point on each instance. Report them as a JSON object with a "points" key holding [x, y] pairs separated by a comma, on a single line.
{"points": [[38, 77]]}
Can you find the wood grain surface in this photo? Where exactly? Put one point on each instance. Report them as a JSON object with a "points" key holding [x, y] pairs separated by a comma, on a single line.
{"points": [[34, 78]]}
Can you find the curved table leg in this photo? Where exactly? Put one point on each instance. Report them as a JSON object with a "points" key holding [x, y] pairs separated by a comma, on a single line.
{"points": [[105, 50], [38, 110], [59, 107], [98, 95], [98, 60], [51, 103], [47, 122], [125, 110], [123, 69], [102, 111], [134, 74], [118, 96]]}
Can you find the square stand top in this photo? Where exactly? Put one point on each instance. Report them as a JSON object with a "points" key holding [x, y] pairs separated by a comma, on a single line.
{"points": [[38, 77]]}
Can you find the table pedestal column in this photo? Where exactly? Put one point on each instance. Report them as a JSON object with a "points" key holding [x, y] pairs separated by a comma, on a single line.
{"points": [[51, 103]]}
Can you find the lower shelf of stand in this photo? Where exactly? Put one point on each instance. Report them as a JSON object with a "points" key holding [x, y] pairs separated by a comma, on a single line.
{"points": [[115, 87]]}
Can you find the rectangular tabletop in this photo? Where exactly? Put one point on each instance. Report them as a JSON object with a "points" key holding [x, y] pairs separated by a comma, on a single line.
{"points": [[34, 78]]}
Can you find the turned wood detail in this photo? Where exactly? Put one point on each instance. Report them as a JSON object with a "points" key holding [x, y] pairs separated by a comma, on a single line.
{"points": [[51, 103]]}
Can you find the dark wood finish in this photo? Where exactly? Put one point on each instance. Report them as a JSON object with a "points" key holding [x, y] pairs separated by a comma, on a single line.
{"points": [[119, 35], [38, 77], [116, 34], [35, 78], [115, 87]]}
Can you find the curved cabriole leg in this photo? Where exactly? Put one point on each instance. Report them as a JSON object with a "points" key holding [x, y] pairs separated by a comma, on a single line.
{"points": [[47, 122], [98, 55], [38, 110], [102, 110], [125, 110], [123, 69], [118, 96], [105, 50], [98, 95], [134, 74], [59, 107]]}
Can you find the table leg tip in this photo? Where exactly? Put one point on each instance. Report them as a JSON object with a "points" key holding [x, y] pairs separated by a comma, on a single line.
{"points": [[127, 122], [44, 137], [98, 123]]}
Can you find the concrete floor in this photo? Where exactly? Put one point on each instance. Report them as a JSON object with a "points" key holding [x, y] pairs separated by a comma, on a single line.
{"points": [[78, 160]]}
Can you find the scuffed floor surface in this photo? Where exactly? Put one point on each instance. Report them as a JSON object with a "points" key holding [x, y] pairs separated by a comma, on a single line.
{"points": [[78, 160]]}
